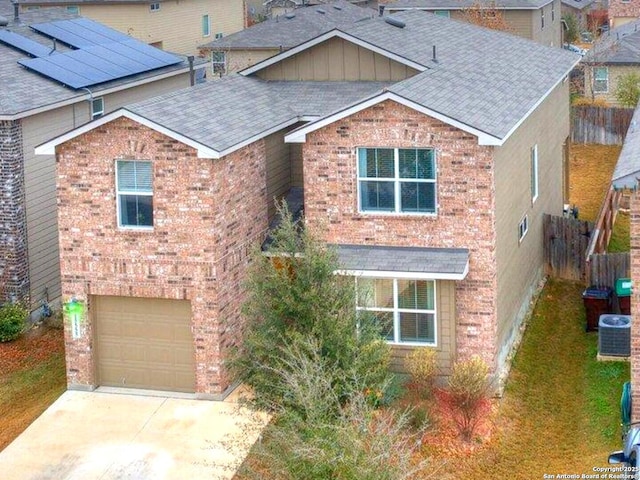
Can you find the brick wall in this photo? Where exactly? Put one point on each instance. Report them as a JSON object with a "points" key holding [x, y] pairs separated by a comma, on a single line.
{"points": [[618, 8], [635, 303], [207, 214], [14, 260], [465, 196]]}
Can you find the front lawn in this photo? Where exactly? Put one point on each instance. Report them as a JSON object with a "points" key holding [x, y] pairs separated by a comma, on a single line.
{"points": [[32, 377]]}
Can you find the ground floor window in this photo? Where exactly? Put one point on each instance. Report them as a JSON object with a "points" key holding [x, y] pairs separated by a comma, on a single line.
{"points": [[405, 308]]}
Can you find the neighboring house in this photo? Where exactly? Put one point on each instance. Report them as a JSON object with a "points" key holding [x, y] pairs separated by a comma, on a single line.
{"points": [[276, 8], [266, 39], [626, 177], [34, 108], [177, 26], [579, 9], [429, 170], [622, 12], [537, 20], [614, 55]]}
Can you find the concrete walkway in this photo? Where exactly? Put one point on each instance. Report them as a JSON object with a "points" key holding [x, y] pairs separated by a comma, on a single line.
{"points": [[107, 436]]}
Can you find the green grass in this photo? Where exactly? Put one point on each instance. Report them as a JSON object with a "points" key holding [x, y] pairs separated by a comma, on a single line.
{"points": [[560, 412], [620, 237]]}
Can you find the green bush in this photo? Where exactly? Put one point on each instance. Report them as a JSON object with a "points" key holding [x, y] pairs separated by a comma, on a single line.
{"points": [[294, 300], [573, 29], [12, 321], [328, 437], [422, 365], [469, 386], [628, 89]]}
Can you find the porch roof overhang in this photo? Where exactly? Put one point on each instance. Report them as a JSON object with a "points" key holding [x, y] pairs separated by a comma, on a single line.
{"points": [[403, 262]]}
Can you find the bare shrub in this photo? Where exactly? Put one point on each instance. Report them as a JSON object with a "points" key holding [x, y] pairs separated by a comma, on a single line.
{"points": [[422, 365], [469, 387]]}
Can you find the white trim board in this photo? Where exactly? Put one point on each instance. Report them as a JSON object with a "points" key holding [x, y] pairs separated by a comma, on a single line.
{"points": [[405, 275], [322, 38], [299, 135]]}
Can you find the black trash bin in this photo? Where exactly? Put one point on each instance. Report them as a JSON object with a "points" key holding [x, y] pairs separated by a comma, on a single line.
{"points": [[597, 301]]}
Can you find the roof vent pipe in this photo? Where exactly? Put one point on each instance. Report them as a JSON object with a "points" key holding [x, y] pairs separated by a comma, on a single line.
{"points": [[4, 21], [16, 12]]}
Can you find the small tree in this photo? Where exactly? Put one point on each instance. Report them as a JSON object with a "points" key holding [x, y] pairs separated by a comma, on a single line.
{"points": [[628, 90], [572, 29], [295, 296]]}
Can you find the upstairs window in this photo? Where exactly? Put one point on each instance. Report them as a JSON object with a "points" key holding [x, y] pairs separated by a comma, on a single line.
{"points": [[135, 194], [73, 9], [154, 7], [442, 13], [405, 309], [601, 79], [523, 228], [553, 12], [97, 108], [206, 26], [542, 18], [397, 180]]}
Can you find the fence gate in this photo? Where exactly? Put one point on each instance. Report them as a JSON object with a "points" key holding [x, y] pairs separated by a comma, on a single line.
{"points": [[566, 241]]}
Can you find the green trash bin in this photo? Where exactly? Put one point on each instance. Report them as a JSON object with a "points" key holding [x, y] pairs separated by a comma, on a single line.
{"points": [[623, 292]]}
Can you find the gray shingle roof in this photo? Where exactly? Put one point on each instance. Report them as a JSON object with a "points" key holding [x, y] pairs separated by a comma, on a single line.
{"points": [[486, 79], [460, 4], [579, 4], [435, 261], [619, 46], [284, 32], [23, 90], [627, 171], [227, 112]]}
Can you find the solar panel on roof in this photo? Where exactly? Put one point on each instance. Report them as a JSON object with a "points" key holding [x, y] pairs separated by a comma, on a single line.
{"points": [[80, 32], [102, 54], [23, 43]]}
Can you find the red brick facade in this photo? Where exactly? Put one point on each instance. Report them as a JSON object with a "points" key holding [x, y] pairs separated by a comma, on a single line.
{"points": [[465, 197], [204, 227]]}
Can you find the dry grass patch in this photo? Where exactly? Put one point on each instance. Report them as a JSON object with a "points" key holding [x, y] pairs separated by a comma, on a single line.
{"points": [[32, 377]]}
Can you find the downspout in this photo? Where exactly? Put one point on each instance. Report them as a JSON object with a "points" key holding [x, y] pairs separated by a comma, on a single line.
{"points": [[90, 104]]}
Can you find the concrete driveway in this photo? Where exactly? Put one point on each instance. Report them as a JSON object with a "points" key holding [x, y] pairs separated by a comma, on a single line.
{"points": [[109, 436]]}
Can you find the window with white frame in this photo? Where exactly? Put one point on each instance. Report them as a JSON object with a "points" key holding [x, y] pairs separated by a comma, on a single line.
{"points": [[154, 7], [397, 180], [73, 9], [206, 26], [553, 12], [534, 173], [523, 228], [135, 194], [442, 13], [218, 62], [97, 108], [542, 18], [601, 79], [406, 309]]}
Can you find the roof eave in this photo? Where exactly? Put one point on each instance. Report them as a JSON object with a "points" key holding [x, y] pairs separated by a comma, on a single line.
{"points": [[49, 148]]}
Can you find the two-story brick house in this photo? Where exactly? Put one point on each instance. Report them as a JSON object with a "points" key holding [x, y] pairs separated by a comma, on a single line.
{"points": [[428, 169]]}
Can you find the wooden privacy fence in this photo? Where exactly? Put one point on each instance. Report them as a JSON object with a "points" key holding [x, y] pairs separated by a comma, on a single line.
{"points": [[605, 268], [566, 240], [602, 125], [604, 224]]}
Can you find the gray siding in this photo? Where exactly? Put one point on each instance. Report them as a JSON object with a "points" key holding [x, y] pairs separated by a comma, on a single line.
{"points": [[39, 174], [520, 264]]}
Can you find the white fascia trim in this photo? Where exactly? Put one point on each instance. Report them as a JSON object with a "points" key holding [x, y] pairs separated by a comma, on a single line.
{"points": [[540, 100], [325, 36], [405, 275], [299, 135], [84, 96], [458, 7], [49, 148]]}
